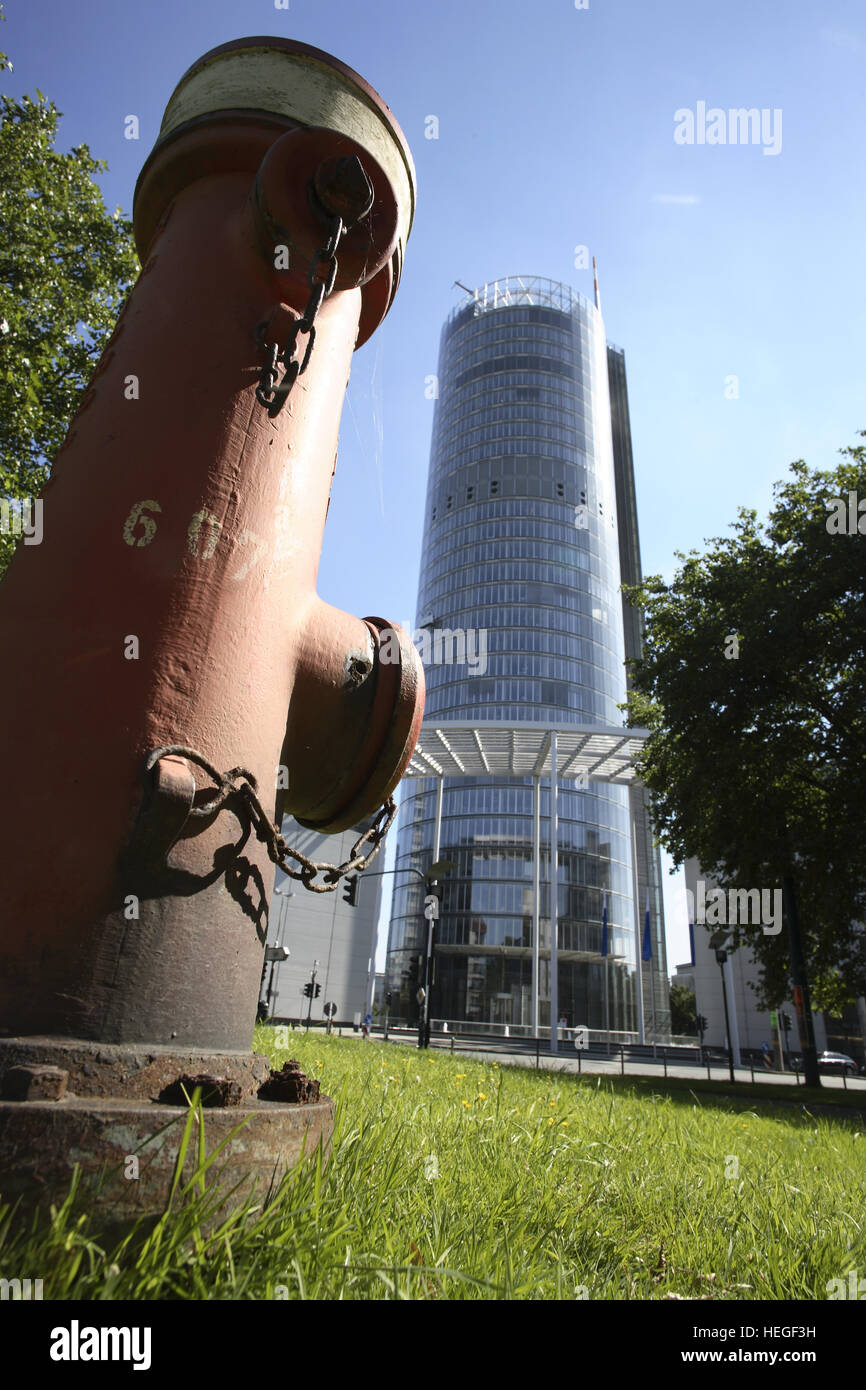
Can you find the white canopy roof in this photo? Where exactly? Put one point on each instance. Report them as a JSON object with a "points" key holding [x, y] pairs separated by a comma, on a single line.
{"points": [[493, 748]]}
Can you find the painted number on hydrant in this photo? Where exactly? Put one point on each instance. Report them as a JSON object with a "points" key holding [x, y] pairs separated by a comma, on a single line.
{"points": [[148, 525], [202, 536], [211, 538]]}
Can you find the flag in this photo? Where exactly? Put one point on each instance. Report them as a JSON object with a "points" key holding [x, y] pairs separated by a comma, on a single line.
{"points": [[692, 942], [647, 950], [604, 925]]}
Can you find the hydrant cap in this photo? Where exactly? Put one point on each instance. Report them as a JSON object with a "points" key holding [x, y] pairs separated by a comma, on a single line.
{"points": [[305, 85]]}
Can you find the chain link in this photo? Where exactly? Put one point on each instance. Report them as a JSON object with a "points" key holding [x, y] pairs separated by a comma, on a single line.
{"points": [[241, 782], [268, 393]]}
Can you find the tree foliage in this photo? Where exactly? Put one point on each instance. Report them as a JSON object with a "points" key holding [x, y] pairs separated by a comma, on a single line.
{"points": [[753, 687], [65, 267], [683, 1010]]}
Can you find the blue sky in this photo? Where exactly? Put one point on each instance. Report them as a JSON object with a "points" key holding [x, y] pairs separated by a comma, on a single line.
{"points": [[556, 130]]}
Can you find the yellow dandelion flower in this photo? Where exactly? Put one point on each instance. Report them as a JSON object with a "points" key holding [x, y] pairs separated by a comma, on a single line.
{"points": [[466, 1103], [551, 1120], [481, 1095]]}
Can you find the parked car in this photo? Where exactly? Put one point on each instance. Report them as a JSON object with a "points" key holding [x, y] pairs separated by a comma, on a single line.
{"points": [[837, 1062]]}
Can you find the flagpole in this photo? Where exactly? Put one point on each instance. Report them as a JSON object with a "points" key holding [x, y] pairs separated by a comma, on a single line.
{"points": [[606, 970], [554, 896], [536, 900], [652, 970], [606, 1004], [638, 951]]}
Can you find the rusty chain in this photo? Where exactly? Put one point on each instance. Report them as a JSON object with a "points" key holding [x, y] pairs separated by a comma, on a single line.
{"points": [[241, 782], [268, 392]]}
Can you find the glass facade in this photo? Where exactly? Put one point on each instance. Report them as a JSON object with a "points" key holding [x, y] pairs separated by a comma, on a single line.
{"points": [[521, 550]]}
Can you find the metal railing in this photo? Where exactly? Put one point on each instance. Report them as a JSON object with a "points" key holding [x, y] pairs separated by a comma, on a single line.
{"points": [[713, 1062], [510, 291]]}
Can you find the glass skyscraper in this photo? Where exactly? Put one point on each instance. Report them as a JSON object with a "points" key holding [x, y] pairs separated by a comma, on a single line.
{"points": [[522, 549]]}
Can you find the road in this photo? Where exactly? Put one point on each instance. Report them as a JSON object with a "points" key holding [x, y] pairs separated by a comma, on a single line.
{"points": [[594, 1063]]}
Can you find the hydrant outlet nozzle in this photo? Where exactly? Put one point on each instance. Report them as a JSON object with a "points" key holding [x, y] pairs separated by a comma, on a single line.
{"points": [[309, 175]]}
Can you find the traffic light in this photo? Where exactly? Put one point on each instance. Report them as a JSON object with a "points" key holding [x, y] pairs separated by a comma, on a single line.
{"points": [[701, 1023], [308, 990], [785, 1020], [318, 991], [350, 890], [388, 998]]}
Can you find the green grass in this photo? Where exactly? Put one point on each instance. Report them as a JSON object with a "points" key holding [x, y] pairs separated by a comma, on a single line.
{"points": [[456, 1179]]}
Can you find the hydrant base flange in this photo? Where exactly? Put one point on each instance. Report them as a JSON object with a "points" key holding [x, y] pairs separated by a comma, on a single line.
{"points": [[131, 1071], [42, 1142], [111, 1125]]}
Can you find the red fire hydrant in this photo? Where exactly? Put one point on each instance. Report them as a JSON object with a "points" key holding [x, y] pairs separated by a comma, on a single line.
{"points": [[173, 682]]}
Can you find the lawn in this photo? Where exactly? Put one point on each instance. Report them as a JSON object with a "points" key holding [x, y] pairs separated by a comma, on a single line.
{"points": [[458, 1179]]}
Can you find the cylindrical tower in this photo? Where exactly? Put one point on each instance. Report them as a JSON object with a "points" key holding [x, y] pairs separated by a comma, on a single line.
{"points": [[521, 555]]}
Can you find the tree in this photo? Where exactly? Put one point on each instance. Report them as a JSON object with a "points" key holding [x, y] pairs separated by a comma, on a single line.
{"points": [[683, 1009], [66, 265], [753, 687]]}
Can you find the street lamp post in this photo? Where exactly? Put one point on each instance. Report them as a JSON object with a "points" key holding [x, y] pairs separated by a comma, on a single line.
{"points": [[277, 957], [721, 957], [431, 916], [312, 992], [436, 871]]}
